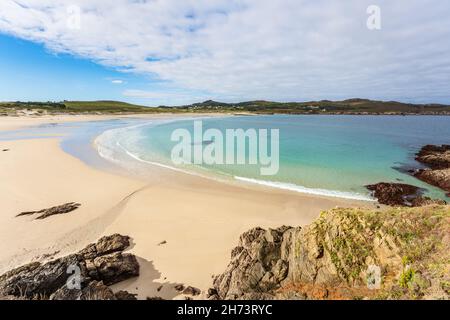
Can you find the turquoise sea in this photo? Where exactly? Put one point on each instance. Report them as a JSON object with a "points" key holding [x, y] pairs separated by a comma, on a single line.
{"points": [[327, 155]]}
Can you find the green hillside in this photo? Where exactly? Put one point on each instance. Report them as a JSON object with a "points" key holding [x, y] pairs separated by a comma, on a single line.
{"points": [[75, 107], [350, 106]]}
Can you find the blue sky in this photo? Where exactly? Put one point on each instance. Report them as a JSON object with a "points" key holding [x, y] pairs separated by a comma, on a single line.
{"points": [[177, 52], [31, 72]]}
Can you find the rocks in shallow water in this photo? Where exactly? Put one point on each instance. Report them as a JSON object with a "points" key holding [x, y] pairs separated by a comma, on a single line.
{"points": [[437, 158], [426, 201], [45, 213], [439, 178], [394, 194], [399, 194], [103, 262]]}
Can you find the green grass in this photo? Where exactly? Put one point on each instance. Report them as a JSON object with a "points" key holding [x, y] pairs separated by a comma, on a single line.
{"points": [[104, 107], [351, 106]]}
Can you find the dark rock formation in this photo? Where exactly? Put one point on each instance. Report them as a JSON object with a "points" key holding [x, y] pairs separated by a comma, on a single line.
{"points": [[256, 267], [125, 295], [45, 213], [191, 291], [394, 194], [179, 287], [437, 158], [399, 194], [438, 178], [426, 201], [103, 262], [94, 290]]}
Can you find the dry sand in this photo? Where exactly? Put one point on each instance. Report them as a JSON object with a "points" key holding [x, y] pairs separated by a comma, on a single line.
{"points": [[199, 219]]}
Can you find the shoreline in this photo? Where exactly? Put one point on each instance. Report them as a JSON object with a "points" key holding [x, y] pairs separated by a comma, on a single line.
{"points": [[199, 219]]}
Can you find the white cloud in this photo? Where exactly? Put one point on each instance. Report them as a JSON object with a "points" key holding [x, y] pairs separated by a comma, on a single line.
{"points": [[255, 49], [116, 81]]}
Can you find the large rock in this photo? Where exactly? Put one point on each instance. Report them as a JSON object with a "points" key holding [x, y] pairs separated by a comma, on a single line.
{"points": [[112, 268], [336, 256], [394, 194], [335, 250], [103, 262], [439, 178], [94, 290], [256, 265], [399, 194], [437, 158], [45, 213], [37, 280]]}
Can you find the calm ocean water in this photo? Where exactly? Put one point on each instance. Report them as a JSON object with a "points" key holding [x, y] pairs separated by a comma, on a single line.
{"points": [[329, 155]]}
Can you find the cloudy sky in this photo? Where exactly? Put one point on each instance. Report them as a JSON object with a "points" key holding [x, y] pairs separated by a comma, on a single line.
{"points": [[181, 51]]}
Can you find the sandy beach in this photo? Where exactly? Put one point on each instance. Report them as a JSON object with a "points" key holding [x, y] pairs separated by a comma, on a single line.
{"points": [[183, 226]]}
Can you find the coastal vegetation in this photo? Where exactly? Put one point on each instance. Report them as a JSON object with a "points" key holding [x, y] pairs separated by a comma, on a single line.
{"points": [[73, 107], [349, 106], [332, 257]]}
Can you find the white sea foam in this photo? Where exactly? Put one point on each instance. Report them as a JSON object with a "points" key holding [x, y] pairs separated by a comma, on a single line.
{"points": [[107, 141], [302, 189], [136, 157]]}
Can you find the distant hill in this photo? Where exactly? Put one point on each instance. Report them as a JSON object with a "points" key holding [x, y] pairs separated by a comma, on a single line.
{"points": [[75, 107], [350, 106]]}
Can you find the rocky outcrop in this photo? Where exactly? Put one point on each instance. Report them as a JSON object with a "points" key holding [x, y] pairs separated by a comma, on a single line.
{"points": [[191, 291], [125, 295], [45, 213], [338, 256], [437, 158], [399, 194], [94, 290], [438, 178], [256, 266], [94, 267]]}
